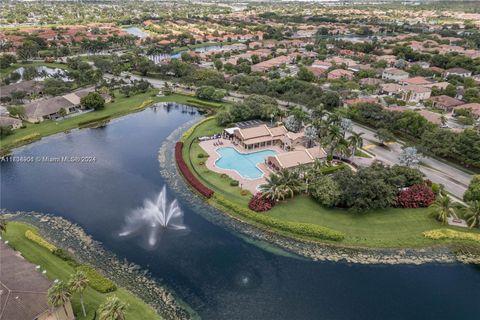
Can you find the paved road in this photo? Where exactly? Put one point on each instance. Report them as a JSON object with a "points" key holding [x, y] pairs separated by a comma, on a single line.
{"points": [[455, 181]]}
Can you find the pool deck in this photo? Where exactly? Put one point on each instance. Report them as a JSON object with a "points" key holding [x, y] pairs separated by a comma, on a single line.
{"points": [[249, 184]]}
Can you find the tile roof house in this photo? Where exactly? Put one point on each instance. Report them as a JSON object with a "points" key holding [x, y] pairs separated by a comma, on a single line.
{"points": [[39, 110], [474, 107], [340, 74], [295, 158], [445, 102], [23, 290], [29, 87], [458, 72], [394, 74], [13, 123], [263, 136], [414, 93], [421, 81]]}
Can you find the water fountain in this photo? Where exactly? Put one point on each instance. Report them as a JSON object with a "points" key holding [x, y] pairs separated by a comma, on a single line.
{"points": [[155, 216]]}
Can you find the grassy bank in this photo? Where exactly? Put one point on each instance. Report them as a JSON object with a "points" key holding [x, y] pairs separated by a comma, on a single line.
{"points": [[119, 107], [60, 269], [392, 227]]}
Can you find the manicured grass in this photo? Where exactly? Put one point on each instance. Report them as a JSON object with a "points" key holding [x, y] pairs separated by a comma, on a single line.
{"points": [[215, 181], [59, 269], [392, 227], [121, 106]]}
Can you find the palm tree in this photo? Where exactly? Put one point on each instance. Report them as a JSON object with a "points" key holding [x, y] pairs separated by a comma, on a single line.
{"points": [[112, 309], [334, 136], [58, 296], [473, 213], [3, 225], [355, 141], [78, 283], [443, 208], [282, 185]]}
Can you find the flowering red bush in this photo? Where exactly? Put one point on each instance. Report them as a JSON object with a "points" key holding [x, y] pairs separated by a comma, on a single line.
{"points": [[416, 196], [259, 204], [182, 166]]}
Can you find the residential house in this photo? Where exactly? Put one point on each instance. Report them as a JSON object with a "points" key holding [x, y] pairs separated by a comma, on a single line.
{"points": [[474, 107], [13, 123], [30, 88], [39, 110], [295, 158], [371, 82], [338, 74], [431, 116], [458, 72], [394, 74], [415, 93], [23, 290], [419, 81], [445, 102], [263, 136], [390, 88], [272, 63]]}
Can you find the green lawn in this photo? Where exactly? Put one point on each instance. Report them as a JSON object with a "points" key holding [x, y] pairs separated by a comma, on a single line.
{"points": [[59, 269], [392, 227], [121, 106], [217, 182]]}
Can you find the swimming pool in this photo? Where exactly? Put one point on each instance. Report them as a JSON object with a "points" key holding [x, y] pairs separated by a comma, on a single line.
{"points": [[245, 164]]}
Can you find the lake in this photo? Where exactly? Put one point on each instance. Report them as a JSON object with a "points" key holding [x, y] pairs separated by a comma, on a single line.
{"points": [[218, 273]]}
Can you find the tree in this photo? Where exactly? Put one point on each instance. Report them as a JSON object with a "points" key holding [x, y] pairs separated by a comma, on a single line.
{"points": [[3, 225], [77, 284], [443, 208], [384, 135], [112, 309], [282, 185], [292, 124], [355, 141], [325, 191], [93, 100], [473, 190], [409, 157], [305, 74], [472, 213], [330, 100], [62, 112], [58, 296], [5, 131]]}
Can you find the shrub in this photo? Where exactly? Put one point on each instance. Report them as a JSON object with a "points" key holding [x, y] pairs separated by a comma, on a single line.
{"points": [[244, 192], [96, 280], [260, 204], [93, 121], [296, 228], [28, 139], [187, 134], [33, 236], [65, 256], [234, 183], [201, 155], [188, 175], [442, 234], [416, 196], [325, 191], [197, 103], [436, 188]]}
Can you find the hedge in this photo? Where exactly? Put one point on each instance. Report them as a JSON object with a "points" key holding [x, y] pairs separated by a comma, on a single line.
{"points": [[97, 281], [188, 175], [297, 228], [28, 139], [442, 234], [32, 236]]}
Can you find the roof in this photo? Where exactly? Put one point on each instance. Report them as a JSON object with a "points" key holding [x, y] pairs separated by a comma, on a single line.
{"points": [[9, 121], [475, 107], [395, 71], [415, 88], [432, 117], [24, 288], [298, 157], [24, 86], [417, 81], [446, 101], [41, 108], [458, 70]]}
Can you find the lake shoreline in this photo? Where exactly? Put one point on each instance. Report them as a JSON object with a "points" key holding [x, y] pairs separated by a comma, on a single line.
{"points": [[128, 275], [314, 250]]}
